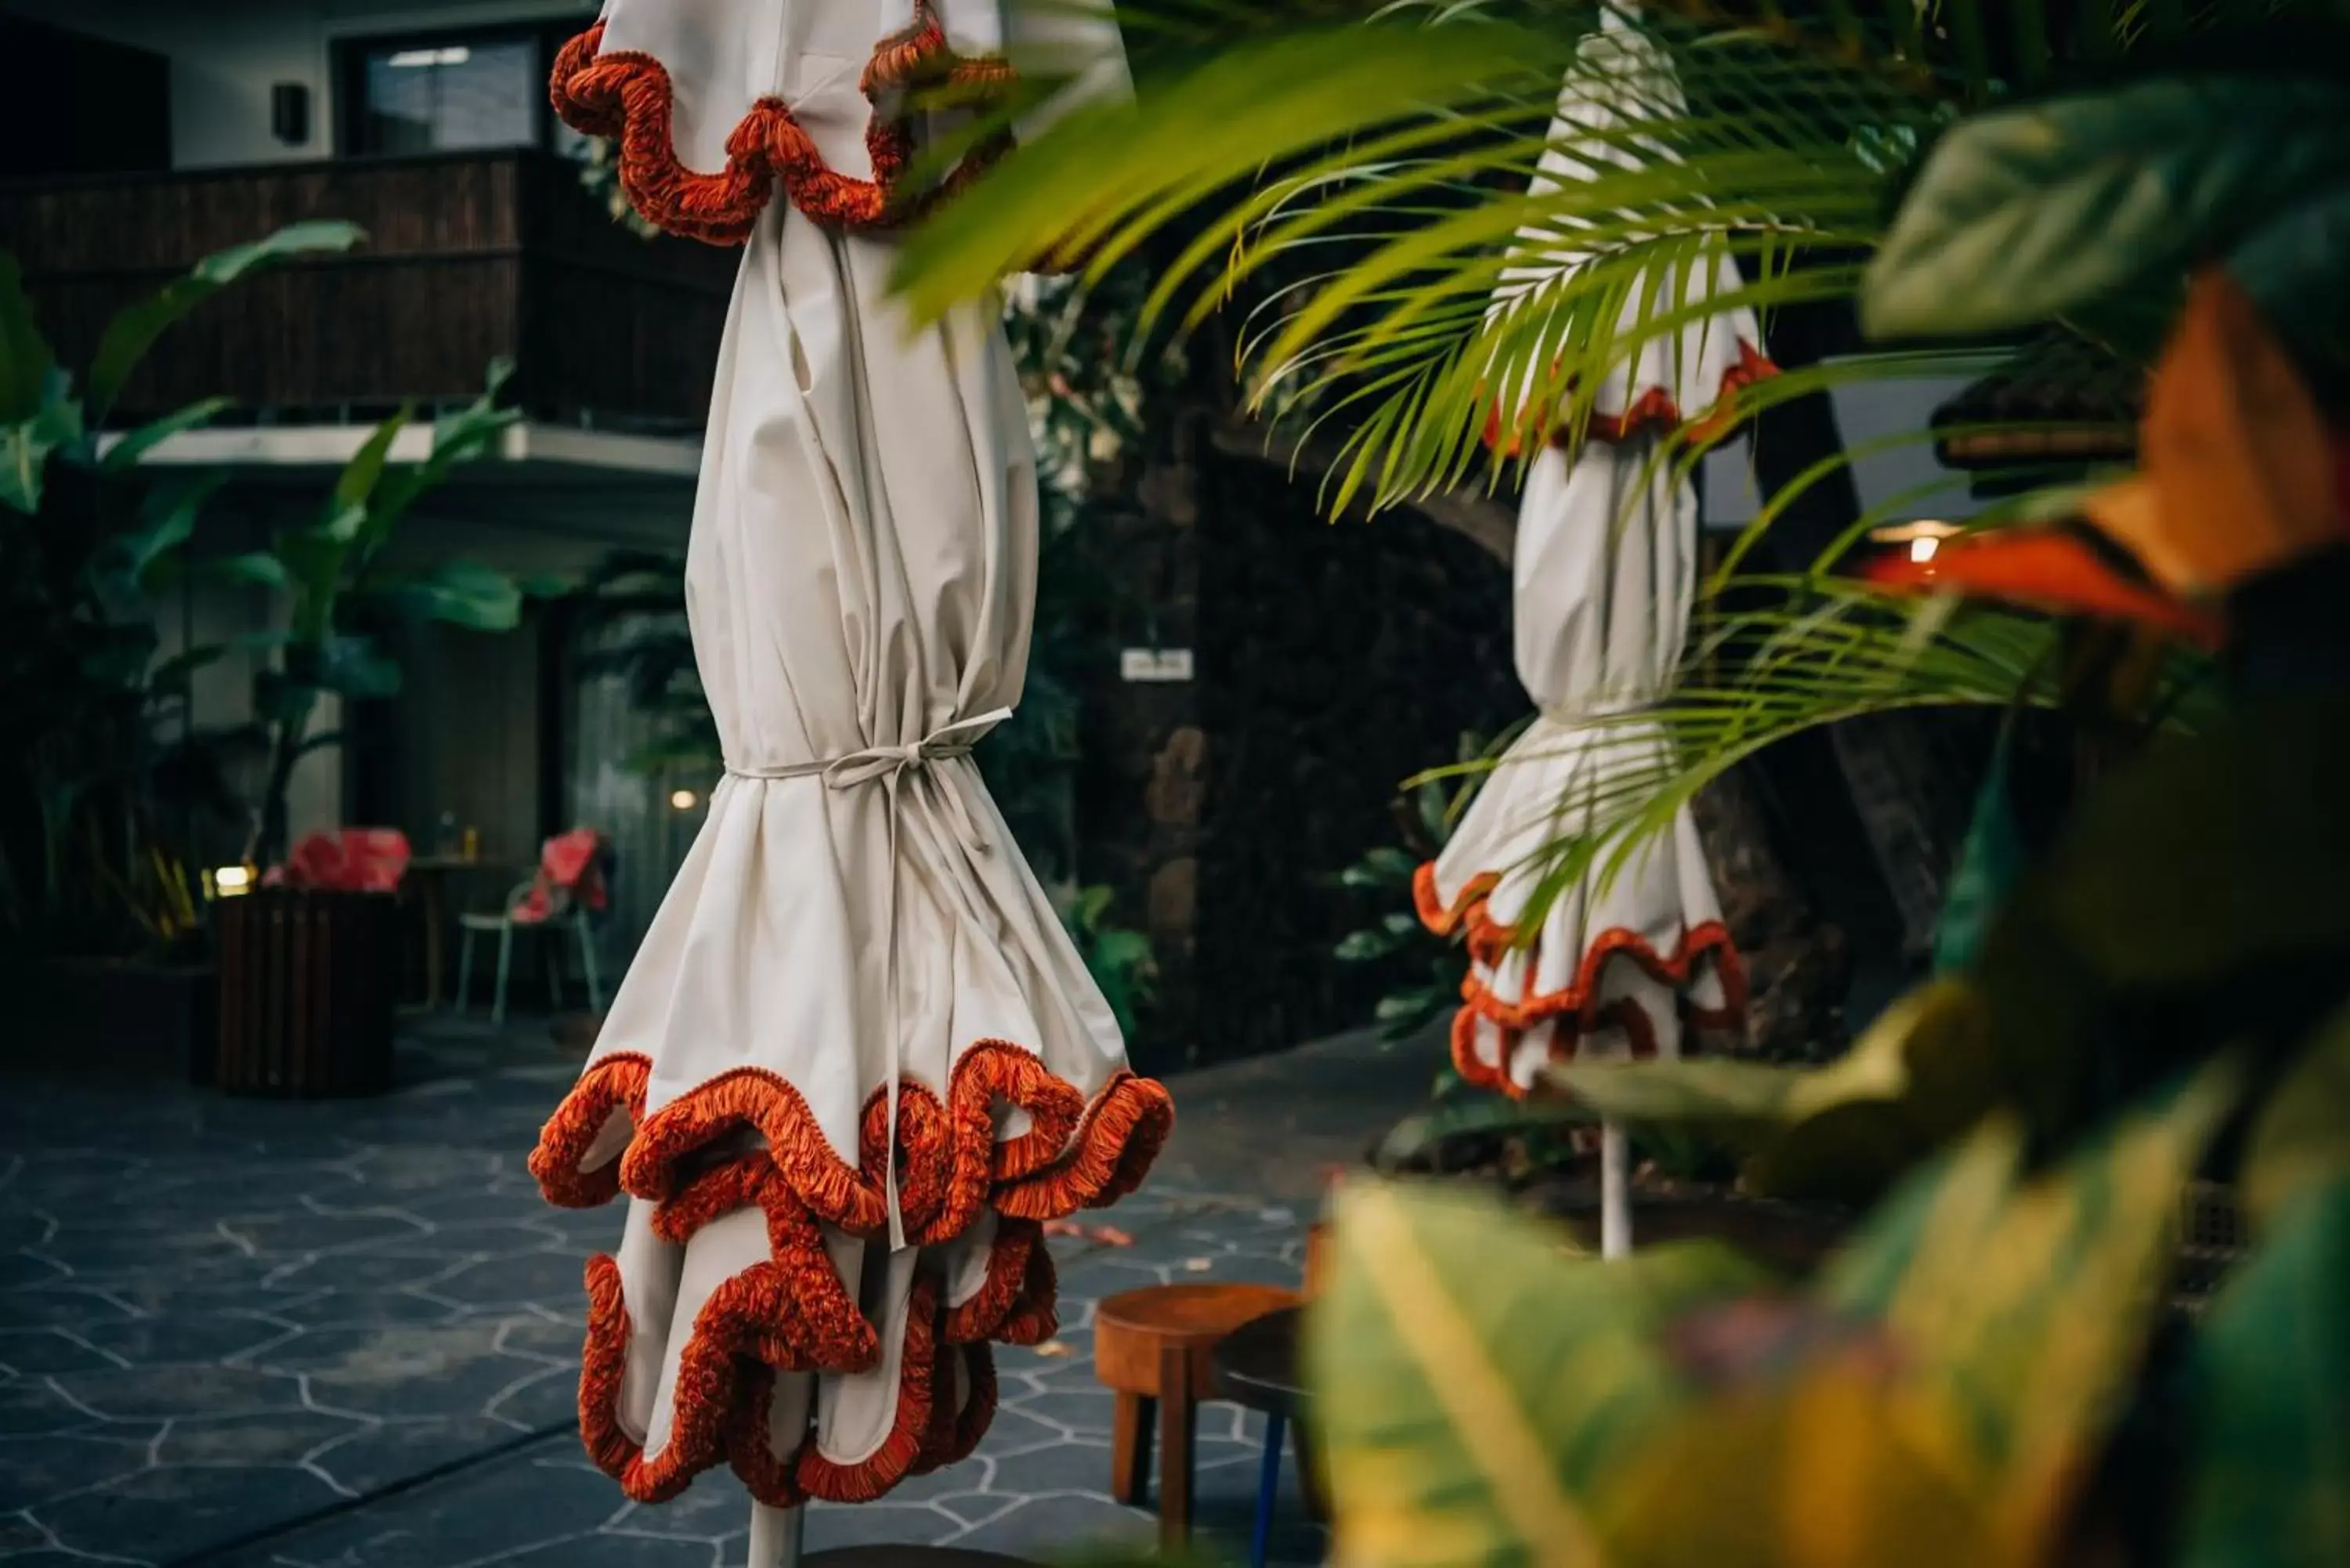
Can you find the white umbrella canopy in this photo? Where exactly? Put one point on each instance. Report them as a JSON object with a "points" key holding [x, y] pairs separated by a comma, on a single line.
{"points": [[1605, 569], [858, 1063]]}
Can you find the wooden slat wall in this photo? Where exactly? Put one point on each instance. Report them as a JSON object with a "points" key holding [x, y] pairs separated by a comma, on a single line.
{"points": [[467, 258]]}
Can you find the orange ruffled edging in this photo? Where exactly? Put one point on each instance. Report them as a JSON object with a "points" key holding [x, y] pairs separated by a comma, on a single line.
{"points": [[627, 97], [1575, 1009], [794, 1313], [1654, 411]]}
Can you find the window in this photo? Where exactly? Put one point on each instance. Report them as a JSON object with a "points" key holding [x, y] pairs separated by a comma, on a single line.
{"points": [[452, 92]]}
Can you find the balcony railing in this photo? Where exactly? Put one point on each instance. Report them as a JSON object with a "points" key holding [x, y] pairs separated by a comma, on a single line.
{"points": [[468, 257]]}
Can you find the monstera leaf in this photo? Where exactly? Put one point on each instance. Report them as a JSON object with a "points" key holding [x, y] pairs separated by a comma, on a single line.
{"points": [[2269, 1480], [1474, 1376]]}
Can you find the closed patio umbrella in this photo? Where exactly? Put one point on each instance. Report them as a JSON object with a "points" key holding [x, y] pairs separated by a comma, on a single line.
{"points": [[857, 1063], [1604, 568]]}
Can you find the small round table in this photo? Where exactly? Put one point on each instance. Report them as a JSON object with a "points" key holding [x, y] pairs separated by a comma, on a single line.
{"points": [[1256, 1367], [1151, 1348]]}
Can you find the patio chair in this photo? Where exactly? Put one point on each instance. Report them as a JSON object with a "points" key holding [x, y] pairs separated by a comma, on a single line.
{"points": [[563, 899]]}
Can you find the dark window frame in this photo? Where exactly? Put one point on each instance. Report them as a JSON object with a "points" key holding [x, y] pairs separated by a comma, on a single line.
{"points": [[350, 56]]}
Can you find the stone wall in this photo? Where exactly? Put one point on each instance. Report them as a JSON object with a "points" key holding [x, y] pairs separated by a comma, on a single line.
{"points": [[1332, 661]]}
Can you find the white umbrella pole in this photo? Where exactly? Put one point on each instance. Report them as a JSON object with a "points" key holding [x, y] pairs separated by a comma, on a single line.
{"points": [[1615, 1196], [775, 1535]]}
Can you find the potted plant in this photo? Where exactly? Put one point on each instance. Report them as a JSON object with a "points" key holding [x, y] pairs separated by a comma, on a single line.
{"points": [[102, 785]]}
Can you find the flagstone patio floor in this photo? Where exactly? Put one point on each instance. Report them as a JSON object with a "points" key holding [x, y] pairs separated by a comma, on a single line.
{"points": [[243, 1335]]}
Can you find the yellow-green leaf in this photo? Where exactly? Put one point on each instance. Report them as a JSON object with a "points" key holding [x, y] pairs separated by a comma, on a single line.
{"points": [[2024, 1304], [1917, 1076], [1832, 1470], [2269, 1482], [1474, 1376], [2302, 1133]]}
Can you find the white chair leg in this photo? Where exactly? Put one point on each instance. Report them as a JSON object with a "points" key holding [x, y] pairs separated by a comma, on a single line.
{"points": [[588, 966], [552, 940], [505, 970], [464, 972]]}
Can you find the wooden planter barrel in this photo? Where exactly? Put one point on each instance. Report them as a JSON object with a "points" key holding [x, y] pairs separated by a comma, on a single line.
{"points": [[307, 990]]}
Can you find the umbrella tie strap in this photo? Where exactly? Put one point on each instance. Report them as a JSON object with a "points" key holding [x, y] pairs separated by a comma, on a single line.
{"points": [[888, 766]]}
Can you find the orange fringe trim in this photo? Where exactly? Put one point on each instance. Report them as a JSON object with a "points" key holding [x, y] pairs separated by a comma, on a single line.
{"points": [[791, 1312], [956, 1431], [614, 1085], [891, 1463], [1575, 1009], [628, 96], [1653, 410], [712, 1427], [1074, 1155], [1016, 1305]]}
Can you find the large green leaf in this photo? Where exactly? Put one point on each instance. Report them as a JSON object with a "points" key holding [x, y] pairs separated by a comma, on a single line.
{"points": [[2024, 1303], [257, 569], [355, 667], [460, 438], [134, 331], [462, 593], [134, 448], [1920, 1074], [1990, 864], [1823, 1470], [2293, 268], [313, 562], [167, 521], [354, 490], [2302, 1136], [1474, 1378], [2020, 215], [2268, 1483], [26, 447], [26, 360]]}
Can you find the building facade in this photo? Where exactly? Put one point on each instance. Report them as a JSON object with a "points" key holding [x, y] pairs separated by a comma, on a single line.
{"points": [[179, 130]]}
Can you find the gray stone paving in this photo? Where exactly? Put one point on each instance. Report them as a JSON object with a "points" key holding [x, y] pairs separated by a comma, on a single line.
{"points": [[346, 1336]]}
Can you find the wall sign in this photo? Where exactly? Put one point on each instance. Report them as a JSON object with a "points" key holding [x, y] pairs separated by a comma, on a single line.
{"points": [[1155, 664]]}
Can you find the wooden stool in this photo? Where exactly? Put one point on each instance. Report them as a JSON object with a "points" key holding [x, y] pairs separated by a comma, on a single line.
{"points": [[1150, 1347]]}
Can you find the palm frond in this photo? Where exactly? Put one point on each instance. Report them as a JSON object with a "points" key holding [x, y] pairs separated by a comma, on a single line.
{"points": [[1818, 653]]}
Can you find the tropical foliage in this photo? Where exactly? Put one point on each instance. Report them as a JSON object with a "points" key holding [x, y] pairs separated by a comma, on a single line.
{"points": [[109, 779], [1355, 179], [339, 594], [99, 784], [1428, 968], [1992, 1370]]}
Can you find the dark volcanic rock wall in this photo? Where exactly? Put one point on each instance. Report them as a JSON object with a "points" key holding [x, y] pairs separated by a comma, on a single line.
{"points": [[1333, 660]]}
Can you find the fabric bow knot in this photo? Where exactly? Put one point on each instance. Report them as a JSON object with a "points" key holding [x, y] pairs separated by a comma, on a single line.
{"points": [[888, 766]]}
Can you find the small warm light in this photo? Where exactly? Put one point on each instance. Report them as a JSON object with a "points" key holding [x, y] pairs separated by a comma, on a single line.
{"points": [[412, 59], [684, 800], [232, 880], [1922, 549]]}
